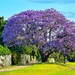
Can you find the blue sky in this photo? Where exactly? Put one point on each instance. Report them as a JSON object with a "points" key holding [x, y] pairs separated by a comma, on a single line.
{"points": [[11, 7]]}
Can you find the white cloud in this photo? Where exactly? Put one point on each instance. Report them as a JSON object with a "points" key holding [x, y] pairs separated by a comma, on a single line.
{"points": [[72, 19]]}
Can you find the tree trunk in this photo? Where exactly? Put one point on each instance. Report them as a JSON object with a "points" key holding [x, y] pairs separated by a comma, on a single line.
{"points": [[45, 36], [64, 59], [44, 56], [50, 39]]}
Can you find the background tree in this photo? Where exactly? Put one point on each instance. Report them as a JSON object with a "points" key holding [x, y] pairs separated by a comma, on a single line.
{"points": [[2, 24]]}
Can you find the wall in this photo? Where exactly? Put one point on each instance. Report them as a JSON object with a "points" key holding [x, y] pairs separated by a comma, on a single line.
{"points": [[51, 60], [5, 60], [27, 59]]}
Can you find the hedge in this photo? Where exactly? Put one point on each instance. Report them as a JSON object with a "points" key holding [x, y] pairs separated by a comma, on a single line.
{"points": [[4, 50]]}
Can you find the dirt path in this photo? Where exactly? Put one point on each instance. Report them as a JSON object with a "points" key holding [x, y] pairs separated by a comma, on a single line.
{"points": [[13, 68], [73, 68]]}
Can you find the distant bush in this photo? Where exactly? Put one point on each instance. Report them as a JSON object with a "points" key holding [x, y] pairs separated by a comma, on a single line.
{"points": [[57, 56], [4, 50], [71, 57], [29, 50]]}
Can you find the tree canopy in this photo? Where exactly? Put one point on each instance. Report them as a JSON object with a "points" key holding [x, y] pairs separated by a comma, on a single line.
{"points": [[49, 30]]}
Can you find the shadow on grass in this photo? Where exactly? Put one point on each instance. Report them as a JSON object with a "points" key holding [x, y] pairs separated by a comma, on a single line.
{"points": [[62, 64]]}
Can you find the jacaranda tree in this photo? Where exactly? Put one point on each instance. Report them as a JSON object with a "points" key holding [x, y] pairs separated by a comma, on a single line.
{"points": [[46, 29]]}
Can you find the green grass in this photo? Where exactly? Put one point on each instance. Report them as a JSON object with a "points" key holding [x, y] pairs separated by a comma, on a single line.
{"points": [[44, 69]]}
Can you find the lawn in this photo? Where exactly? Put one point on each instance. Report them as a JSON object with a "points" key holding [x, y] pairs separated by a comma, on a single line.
{"points": [[44, 69]]}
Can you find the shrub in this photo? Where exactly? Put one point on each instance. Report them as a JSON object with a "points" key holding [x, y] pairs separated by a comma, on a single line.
{"points": [[16, 58], [4, 50], [29, 50], [57, 56], [71, 57]]}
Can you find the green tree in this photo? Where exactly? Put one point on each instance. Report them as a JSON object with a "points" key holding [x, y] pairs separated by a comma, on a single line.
{"points": [[2, 24]]}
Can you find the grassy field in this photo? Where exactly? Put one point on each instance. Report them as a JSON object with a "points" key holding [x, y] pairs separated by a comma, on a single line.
{"points": [[44, 69]]}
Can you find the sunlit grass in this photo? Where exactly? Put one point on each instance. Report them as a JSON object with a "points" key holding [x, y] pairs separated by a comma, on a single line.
{"points": [[44, 69]]}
